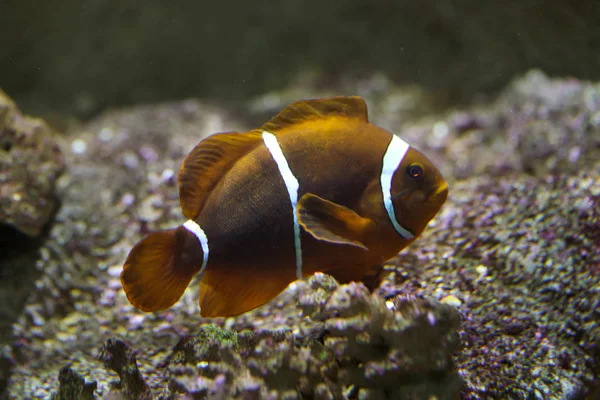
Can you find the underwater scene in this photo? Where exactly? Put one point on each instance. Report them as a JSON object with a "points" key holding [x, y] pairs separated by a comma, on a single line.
{"points": [[354, 200]]}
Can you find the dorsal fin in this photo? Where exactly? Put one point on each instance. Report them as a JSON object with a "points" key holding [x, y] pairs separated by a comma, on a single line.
{"points": [[207, 163], [351, 107]]}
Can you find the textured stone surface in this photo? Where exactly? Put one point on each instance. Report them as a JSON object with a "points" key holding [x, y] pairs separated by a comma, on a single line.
{"points": [[520, 256], [72, 386], [118, 357], [30, 163], [515, 250], [358, 346], [120, 184]]}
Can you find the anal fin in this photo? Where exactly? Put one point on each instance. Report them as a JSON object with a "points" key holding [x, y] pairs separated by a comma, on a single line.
{"points": [[331, 222], [226, 291]]}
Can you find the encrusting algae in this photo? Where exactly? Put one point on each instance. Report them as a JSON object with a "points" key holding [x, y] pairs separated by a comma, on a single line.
{"points": [[316, 189]]}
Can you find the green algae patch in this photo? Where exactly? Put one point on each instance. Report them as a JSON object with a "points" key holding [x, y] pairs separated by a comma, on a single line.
{"points": [[212, 332], [211, 343]]}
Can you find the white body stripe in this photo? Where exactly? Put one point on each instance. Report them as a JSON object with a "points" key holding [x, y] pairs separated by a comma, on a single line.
{"points": [[391, 160], [193, 227], [292, 186]]}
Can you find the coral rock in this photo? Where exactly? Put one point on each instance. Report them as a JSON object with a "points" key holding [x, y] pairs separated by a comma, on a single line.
{"points": [[360, 346], [117, 356], [73, 386], [30, 163]]}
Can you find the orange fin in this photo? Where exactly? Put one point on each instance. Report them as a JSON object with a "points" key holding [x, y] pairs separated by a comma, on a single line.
{"points": [[330, 222], [226, 291], [207, 163], [160, 267], [352, 107]]}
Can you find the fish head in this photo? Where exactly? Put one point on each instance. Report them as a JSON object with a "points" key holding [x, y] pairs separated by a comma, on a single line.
{"points": [[418, 191]]}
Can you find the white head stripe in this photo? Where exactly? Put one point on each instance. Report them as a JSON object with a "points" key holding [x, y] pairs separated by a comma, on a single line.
{"points": [[292, 185], [391, 160], [193, 227]]}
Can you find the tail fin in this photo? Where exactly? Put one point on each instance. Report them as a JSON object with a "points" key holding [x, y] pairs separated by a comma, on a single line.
{"points": [[160, 267]]}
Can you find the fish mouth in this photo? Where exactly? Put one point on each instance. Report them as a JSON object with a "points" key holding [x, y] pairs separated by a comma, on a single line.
{"points": [[441, 189]]}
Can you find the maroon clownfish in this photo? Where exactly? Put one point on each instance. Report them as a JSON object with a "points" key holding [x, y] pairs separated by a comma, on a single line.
{"points": [[316, 189]]}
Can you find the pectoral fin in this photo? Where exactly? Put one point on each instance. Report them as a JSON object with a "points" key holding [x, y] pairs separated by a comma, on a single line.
{"points": [[331, 222]]}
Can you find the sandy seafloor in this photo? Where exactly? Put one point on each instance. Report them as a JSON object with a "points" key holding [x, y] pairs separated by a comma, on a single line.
{"points": [[515, 250]]}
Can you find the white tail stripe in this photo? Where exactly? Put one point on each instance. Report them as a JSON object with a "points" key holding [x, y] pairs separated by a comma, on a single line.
{"points": [[193, 227], [292, 186], [391, 161]]}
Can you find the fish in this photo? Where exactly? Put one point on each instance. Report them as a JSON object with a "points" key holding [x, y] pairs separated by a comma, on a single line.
{"points": [[317, 188]]}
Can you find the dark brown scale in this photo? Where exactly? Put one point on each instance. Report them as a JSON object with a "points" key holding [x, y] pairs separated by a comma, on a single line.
{"points": [[231, 186], [249, 214]]}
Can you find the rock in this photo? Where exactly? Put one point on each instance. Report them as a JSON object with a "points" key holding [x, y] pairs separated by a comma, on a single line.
{"points": [[30, 163], [73, 268], [73, 387], [529, 327], [398, 352], [6, 365], [514, 250], [118, 357]]}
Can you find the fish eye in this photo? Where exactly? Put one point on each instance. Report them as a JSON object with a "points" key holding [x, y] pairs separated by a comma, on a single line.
{"points": [[415, 171]]}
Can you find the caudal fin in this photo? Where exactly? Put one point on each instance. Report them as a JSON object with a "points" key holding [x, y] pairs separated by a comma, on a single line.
{"points": [[160, 267]]}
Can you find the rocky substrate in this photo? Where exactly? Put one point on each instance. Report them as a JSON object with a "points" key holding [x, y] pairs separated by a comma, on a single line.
{"points": [[500, 298]]}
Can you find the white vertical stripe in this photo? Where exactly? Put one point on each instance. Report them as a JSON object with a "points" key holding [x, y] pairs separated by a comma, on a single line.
{"points": [[292, 185], [193, 227], [391, 160]]}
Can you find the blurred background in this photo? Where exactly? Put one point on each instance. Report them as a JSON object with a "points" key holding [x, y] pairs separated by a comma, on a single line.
{"points": [[80, 57]]}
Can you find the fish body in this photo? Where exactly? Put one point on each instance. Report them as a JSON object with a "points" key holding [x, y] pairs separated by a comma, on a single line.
{"points": [[316, 189]]}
